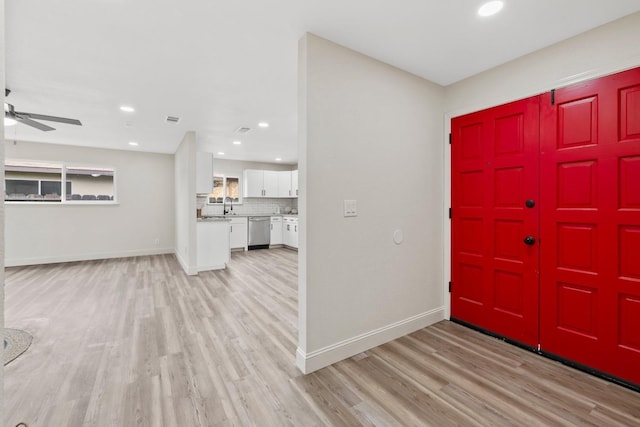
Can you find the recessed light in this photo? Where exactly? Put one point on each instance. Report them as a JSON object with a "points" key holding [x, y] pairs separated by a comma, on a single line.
{"points": [[490, 8], [220, 153], [263, 124], [237, 142], [95, 175], [133, 144], [278, 159], [127, 109]]}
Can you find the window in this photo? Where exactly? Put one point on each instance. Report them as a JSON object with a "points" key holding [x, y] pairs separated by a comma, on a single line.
{"points": [[32, 181], [90, 183], [28, 181], [225, 187]]}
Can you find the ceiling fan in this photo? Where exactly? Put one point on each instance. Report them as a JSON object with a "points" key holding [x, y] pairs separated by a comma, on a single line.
{"points": [[11, 116]]}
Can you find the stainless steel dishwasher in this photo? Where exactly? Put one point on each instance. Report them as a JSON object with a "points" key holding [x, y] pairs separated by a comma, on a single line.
{"points": [[259, 232]]}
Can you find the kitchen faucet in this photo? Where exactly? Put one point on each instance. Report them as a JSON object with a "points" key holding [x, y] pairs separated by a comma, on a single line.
{"points": [[224, 205]]}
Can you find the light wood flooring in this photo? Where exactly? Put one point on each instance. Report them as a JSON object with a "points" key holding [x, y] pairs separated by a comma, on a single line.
{"points": [[135, 342]]}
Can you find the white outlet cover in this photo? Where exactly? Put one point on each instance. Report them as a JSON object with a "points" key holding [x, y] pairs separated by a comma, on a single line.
{"points": [[350, 208], [398, 237]]}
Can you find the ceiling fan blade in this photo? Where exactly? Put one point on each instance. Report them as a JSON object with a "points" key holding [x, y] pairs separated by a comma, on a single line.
{"points": [[50, 118], [27, 121]]}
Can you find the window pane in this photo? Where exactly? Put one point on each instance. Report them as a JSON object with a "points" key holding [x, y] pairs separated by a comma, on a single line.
{"points": [[233, 188], [23, 181], [218, 190], [90, 183], [52, 190]]}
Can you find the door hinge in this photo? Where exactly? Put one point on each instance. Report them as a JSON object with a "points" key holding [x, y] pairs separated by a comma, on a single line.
{"points": [[449, 287], [553, 97], [449, 213], [449, 138]]}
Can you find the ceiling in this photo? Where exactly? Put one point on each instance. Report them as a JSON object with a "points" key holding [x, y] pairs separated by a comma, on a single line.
{"points": [[221, 65]]}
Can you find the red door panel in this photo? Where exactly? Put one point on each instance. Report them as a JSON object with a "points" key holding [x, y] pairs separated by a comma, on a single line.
{"points": [[494, 172], [590, 224]]}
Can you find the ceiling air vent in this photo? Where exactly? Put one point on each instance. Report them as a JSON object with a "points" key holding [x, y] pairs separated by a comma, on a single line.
{"points": [[243, 130], [172, 119]]}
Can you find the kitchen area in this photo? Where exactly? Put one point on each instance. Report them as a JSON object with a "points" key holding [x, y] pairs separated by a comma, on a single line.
{"points": [[243, 206]]}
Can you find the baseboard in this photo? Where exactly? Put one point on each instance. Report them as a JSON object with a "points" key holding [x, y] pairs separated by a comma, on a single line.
{"points": [[190, 271], [309, 362], [18, 262], [211, 267]]}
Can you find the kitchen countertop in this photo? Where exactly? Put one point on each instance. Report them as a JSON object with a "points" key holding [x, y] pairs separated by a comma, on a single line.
{"points": [[214, 219]]}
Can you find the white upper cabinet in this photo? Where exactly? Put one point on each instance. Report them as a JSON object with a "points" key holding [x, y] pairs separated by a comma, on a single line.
{"points": [[294, 183], [284, 184], [253, 183], [204, 173], [260, 183], [270, 184]]}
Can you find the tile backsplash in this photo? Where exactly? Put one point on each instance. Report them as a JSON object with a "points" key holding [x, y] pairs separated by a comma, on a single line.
{"points": [[249, 206]]}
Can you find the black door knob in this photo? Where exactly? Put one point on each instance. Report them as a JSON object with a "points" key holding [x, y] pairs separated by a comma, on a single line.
{"points": [[529, 240], [530, 203]]}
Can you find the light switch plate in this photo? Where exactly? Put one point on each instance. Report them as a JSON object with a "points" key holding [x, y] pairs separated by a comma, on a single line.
{"points": [[350, 208]]}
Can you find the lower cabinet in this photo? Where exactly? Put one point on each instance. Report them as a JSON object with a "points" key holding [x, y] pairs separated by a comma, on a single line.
{"points": [[239, 233], [212, 245], [290, 231], [276, 230]]}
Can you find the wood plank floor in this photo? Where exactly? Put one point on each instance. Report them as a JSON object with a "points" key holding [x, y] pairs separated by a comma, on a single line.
{"points": [[135, 342]]}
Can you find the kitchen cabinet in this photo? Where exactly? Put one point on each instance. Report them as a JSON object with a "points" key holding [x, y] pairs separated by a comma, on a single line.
{"points": [[294, 183], [260, 183], [290, 231], [276, 230], [212, 245], [238, 233], [204, 173], [284, 184]]}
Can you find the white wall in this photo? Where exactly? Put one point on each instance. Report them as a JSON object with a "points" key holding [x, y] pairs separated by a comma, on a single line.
{"points": [[604, 50], [364, 126], [185, 203], [43, 233], [611, 47]]}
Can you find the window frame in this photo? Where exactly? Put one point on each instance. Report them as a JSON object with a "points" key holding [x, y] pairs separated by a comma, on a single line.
{"points": [[64, 182], [224, 189]]}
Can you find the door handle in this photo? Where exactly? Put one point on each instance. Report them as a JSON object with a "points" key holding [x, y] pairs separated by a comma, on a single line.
{"points": [[529, 240], [530, 203]]}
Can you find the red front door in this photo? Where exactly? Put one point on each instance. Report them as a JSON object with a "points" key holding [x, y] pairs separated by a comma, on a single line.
{"points": [[583, 229], [590, 224], [494, 209]]}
